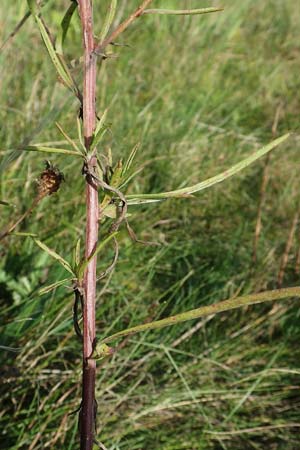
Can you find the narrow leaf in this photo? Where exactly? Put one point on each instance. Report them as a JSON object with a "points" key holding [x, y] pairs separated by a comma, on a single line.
{"points": [[52, 286], [64, 26], [33, 6], [23, 234], [100, 130], [182, 12], [141, 201], [98, 248], [77, 253], [54, 255], [67, 137], [130, 159], [225, 305], [216, 179], [108, 20], [58, 63], [80, 136], [42, 149]]}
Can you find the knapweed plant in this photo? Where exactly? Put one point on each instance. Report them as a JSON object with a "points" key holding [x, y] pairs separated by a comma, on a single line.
{"points": [[107, 183]]}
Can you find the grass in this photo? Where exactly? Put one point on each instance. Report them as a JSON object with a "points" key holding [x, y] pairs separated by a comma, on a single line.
{"points": [[198, 94]]}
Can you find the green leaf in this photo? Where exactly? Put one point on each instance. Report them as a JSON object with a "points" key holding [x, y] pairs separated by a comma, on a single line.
{"points": [[108, 20], [225, 305], [80, 136], [22, 234], [103, 351], [182, 12], [42, 149], [130, 159], [83, 265], [141, 201], [57, 61], [33, 6], [76, 257], [52, 286], [99, 131], [67, 137], [216, 179], [64, 26], [54, 255]]}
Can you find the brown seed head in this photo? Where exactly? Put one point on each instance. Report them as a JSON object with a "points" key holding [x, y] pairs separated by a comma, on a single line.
{"points": [[50, 180]]}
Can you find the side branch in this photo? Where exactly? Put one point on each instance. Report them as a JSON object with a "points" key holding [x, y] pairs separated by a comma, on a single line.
{"points": [[122, 27]]}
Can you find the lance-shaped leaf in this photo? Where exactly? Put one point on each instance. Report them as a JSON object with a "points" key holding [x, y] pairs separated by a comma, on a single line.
{"points": [[64, 26], [47, 289], [99, 131], [57, 60], [217, 178], [80, 136], [226, 305], [33, 6], [182, 12], [59, 65], [23, 234], [43, 149], [67, 137], [108, 19], [76, 253], [130, 159], [54, 255]]}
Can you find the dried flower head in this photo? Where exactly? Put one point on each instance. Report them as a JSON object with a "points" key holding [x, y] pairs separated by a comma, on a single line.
{"points": [[50, 180]]}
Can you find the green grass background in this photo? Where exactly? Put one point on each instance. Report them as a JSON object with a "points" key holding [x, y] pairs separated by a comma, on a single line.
{"points": [[199, 94]]}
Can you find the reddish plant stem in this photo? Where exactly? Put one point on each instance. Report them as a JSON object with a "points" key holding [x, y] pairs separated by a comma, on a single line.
{"points": [[88, 406]]}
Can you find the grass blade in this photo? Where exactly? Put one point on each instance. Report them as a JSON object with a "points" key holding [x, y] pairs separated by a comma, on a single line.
{"points": [[22, 234]]}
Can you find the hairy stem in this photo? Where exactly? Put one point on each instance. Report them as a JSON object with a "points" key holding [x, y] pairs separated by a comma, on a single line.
{"points": [[88, 408]]}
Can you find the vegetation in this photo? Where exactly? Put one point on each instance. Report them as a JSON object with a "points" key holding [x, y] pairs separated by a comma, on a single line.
{"points": [[198, 95]]}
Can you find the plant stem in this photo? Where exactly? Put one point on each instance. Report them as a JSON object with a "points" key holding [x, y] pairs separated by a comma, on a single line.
{"points": [[88, 406]]}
